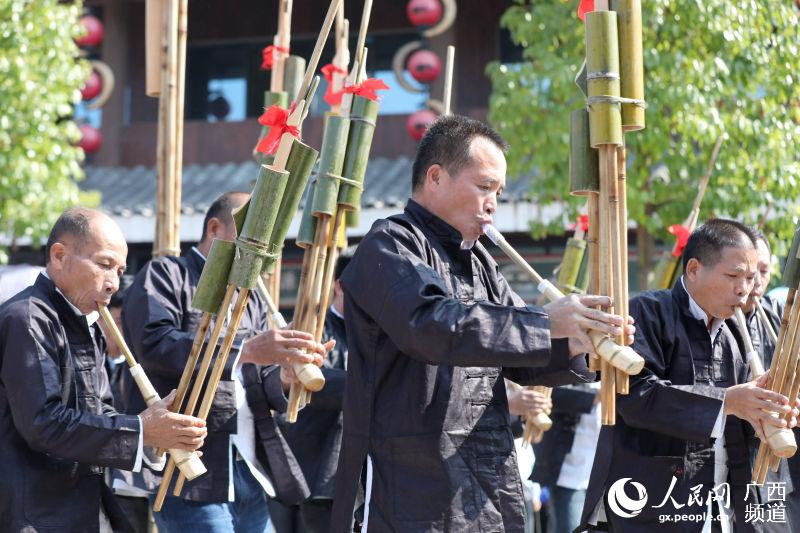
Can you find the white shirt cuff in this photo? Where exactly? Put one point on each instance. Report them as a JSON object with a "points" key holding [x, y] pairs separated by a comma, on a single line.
{"points": [[137, 464], [719, 425]]}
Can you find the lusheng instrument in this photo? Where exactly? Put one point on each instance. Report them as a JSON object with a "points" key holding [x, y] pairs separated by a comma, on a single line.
{"points": [[187, 462], [784, 372], [261, 226]]}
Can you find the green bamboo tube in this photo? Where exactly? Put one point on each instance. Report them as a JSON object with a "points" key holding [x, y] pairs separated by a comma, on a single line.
{"points": [[299, 165], [584, 161], [664, 272], [254, 251], [334, 143], [308, 222], [791, 271], [352, 218], [270, 98], [602, 71], [584, 275], [631, 61], [211, 287], [363, 114], [571, 265], [294, 68]]}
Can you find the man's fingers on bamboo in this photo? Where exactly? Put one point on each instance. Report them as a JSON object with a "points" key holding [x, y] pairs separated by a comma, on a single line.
{"points": [[592, 300], [774, 397]]}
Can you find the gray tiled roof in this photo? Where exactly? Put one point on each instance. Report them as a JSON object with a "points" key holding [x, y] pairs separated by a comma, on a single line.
{"points": [[131, 190]]}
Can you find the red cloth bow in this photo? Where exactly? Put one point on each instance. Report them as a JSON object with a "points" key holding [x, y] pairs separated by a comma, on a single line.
{"points": [[332, 98], [268, 56], [682, 233], [275, 118], [367, 88], [582, 222], [585, 7]]}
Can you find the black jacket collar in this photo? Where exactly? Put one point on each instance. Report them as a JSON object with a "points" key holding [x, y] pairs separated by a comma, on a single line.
{"points": [[446, 233], [66, 314]]}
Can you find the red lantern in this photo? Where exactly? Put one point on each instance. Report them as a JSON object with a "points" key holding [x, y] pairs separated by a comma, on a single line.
{"points": [[424, 13], [93, 31], [424, 66], [93, 86], [91, 138], [419, 122]]}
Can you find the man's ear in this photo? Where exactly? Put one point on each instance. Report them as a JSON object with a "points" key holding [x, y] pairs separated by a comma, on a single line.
{"points": [[213, 228], [58, 254], [434, 174], [693, 267]]}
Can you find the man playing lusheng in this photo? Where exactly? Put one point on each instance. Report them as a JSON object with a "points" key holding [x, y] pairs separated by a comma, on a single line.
{"points": [[58, 428], [674, 436], [432, 328]]}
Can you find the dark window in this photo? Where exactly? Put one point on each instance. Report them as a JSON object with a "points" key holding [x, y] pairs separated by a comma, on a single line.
{"points": [[224, 82]]}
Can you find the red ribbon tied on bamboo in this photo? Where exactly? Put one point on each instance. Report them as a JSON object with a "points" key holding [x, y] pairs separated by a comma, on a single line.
{"points": [[682, 233], [332, 98], [584, 7], [582, 223], [367, 88], [268, 56], [275, 118]]}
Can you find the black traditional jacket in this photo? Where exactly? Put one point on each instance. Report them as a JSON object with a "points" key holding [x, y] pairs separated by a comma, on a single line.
{"points": [[316, 437], [432, 329], [58, 428], [663, 427], [160, 324]]}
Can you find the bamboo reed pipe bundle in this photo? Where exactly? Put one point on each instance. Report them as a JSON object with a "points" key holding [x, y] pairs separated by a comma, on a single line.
{"points": [[255, 248], [783, 376], [187, 462]]}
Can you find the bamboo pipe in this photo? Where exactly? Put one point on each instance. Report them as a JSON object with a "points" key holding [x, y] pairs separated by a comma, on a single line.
{"points": [[274, 312], [448, 80], [330, 265], [609, 250], [282, 40], [275, 280], [592, 243], [362, 32], [188, 462], [219, 365], [762, 316], [621, 257], [622, 357], [191, 363], [154, 34], [180, 92], [199, 381], [781, 440], [320, 44], [752, 357]]}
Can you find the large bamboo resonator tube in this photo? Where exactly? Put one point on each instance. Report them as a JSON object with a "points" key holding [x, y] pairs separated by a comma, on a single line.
{"points": [[187, 462], [620, 357]]}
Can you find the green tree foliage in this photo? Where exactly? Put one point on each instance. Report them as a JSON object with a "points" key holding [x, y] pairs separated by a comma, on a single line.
{"points": [[40, 80], [712, 67]]}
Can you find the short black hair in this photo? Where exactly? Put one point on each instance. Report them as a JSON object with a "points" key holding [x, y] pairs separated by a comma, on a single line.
{"points": [[707, 242], [342, 261], [759, 235], [447, 143], [74, 222], [221, 209]]}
